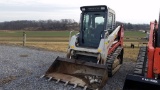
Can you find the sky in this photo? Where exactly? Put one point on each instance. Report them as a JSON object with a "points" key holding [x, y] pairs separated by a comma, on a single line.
{"points": [[129, 11]]}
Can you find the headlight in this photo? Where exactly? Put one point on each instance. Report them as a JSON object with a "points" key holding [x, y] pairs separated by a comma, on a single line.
{"points": [[83, 9], [102, 8]]}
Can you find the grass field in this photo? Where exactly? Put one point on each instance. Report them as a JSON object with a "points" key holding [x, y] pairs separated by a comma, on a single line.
{"points": [[134, 34], [58, 40], [5, 33], [129, 34]]}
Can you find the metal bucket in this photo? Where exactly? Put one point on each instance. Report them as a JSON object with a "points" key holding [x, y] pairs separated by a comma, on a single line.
{"points": [[77, 72]]}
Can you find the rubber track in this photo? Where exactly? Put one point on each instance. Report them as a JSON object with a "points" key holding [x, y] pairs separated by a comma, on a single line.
{"points": [[141, 65], [111, 58]]}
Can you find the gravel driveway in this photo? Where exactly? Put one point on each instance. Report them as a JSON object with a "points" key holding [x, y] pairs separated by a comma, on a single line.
{"points": [[21, 67]]}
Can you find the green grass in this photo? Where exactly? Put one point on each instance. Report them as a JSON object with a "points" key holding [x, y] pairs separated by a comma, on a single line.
{"points": [[130, 34], [134, 34], [11, 33], [49, 33], [57, 36], [36, 33]]}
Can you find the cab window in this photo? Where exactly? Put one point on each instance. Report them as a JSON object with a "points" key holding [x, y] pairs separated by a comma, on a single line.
{"points": [[110, 21]]}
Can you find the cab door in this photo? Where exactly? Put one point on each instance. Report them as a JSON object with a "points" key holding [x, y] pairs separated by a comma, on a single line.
{"points": [[92, 29]]}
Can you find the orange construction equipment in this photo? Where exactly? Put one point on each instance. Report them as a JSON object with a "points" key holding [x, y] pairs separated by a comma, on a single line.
{"points": [[146, 74]]}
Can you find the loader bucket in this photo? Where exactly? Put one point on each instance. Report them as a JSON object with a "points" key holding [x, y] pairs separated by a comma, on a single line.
{"points": [[78, 73], [136, 82]]}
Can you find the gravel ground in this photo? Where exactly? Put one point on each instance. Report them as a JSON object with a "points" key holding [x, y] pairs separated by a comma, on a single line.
{"points": [[20, 69]]}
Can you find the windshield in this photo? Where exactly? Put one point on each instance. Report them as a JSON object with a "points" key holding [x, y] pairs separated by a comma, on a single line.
{"points": [[92, 20], [92, 28]]}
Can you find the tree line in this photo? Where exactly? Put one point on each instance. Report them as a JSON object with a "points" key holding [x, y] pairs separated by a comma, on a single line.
{"points": [[63, 24], [129, 26]]}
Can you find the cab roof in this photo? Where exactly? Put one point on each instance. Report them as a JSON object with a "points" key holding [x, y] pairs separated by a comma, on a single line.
{"points": [[96, 8]]}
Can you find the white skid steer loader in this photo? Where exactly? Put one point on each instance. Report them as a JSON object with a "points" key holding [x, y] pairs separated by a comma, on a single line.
{"points": [[95, 53]]}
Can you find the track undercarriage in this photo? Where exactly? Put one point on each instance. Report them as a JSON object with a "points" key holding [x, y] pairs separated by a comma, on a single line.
{"points": [[138, 80]]}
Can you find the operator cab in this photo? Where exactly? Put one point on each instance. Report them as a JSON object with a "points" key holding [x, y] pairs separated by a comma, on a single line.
{"points": [[95, 21]]}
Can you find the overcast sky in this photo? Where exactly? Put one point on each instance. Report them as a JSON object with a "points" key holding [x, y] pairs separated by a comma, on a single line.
{"points": [[133, 11]]}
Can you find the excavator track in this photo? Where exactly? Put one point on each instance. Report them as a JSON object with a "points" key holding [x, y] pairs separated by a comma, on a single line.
{"points": [[141, 65], [113, 61]]}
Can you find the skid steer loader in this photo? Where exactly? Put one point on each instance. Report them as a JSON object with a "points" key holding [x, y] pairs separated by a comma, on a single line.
{"points": [[93, 54], [146, 75]]}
